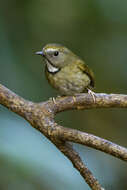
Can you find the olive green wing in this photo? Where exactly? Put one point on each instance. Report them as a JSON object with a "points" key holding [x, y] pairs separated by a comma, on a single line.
{"points": [[85, 69]]}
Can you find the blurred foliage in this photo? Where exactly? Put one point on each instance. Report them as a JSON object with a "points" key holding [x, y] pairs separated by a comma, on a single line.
{"points": [[97, 32]]}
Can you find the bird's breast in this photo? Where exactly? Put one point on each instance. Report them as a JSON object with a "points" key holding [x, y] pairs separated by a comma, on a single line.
{"points": [[69, 80]]}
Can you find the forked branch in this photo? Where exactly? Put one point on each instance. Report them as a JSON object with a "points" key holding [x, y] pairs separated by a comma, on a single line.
{"points": [[41, 116]]}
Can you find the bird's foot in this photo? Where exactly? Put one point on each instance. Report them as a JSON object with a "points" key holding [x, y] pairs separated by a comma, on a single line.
{"points": [[92, 94], [74, 98], [53, 100]]}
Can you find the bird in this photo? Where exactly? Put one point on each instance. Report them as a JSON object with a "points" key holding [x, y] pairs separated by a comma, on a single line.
{"points": [[65, 71]]}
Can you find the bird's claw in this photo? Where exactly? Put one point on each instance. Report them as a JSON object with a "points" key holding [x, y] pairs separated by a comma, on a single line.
{"points": [[53, 99], [92, 94]]}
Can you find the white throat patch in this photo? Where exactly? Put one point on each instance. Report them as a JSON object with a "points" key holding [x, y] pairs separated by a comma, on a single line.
{"points": [[51, 68]]}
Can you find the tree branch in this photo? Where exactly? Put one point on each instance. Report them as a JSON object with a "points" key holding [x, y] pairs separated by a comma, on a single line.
{"points": [[90, 140], [41, 116], [73, 156]]}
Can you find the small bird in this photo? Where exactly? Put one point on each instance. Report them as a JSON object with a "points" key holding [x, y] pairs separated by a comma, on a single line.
{"points": [[65, 71]]}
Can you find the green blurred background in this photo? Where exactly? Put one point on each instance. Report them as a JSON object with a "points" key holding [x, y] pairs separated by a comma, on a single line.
{"points": [[96, 30]]}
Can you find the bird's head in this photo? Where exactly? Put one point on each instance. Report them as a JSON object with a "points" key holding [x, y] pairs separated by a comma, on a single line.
{"points": [[56, 57]]}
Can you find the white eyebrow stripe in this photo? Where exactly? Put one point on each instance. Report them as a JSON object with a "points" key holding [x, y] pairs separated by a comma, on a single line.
{"points": [[50, 49]]}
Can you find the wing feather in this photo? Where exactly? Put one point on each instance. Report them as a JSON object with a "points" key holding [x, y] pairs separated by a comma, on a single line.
{"points": [[85, 69]]}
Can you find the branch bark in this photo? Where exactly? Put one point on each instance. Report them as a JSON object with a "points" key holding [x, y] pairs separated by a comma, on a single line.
{"points": [[41, 116]]}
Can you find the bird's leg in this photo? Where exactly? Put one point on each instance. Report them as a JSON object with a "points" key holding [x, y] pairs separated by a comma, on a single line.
{"points": [[92, 94]]}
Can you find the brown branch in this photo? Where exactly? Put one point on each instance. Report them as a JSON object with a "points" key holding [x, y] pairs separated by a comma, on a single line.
{"points": [[41, 117], [85, 101], [73, 156], [90, 140]]}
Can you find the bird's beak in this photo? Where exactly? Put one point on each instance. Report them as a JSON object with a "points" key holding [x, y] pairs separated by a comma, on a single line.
{"points": [[39, 53]]}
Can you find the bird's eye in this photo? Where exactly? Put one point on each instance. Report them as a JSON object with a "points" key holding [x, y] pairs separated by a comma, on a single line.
{"points": [[56, 53]]}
